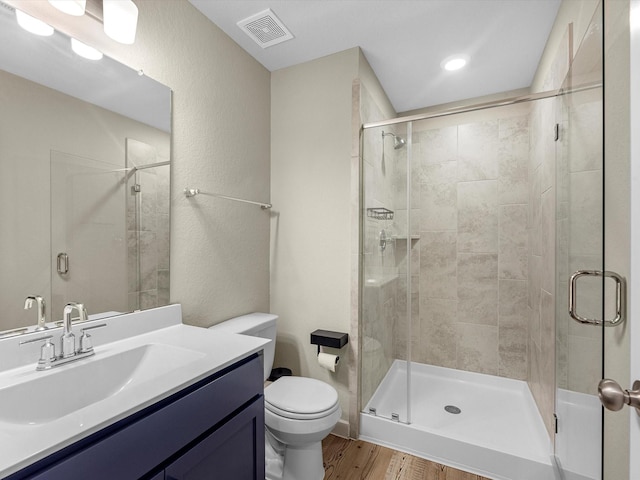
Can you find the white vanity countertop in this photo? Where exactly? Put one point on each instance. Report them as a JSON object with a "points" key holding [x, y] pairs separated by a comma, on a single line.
{"points": [[199, 352]]}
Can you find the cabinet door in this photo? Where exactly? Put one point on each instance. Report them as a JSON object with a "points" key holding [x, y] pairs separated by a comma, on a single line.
{"points": [[234, 451]]}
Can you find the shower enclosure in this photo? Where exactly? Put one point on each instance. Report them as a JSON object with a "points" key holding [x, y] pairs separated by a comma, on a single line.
{"points": [[472, 223], [147, 205], [110, 231], [446, 300]]}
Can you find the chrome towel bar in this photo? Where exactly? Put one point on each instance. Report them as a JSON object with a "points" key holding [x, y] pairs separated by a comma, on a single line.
{"points": [[192, 192]]}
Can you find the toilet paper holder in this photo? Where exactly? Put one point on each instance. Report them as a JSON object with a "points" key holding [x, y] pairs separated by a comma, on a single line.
{"points": [[327, 338]]}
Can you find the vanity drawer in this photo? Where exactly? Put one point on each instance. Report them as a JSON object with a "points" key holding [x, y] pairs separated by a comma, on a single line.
{"points": [[146, 441]]}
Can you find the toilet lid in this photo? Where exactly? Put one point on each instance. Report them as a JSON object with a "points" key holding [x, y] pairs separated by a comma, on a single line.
{"points": [[300, 396]]}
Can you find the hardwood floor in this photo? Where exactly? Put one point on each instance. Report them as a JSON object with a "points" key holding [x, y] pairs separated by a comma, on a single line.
{"points": [[346, 459]]}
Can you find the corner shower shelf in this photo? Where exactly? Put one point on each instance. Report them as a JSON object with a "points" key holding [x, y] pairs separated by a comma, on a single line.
{"points": [[380, 213], [404, 237]]}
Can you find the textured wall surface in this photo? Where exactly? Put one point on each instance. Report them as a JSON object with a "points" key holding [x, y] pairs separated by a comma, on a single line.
{"points": [[310, 185]]}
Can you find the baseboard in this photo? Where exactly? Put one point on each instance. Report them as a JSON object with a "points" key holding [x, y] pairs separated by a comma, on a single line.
{"points": [[341, 429]]}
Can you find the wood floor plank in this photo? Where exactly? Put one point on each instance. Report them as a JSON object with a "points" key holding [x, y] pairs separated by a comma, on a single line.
{"points": [[354, 460], [346, 459]]}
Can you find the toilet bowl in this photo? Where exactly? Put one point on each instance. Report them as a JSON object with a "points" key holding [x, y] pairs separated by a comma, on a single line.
{"points": [[299, 412]]}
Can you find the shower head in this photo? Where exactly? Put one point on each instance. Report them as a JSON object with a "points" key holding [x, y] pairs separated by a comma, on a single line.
{"points": [[398, 142]]}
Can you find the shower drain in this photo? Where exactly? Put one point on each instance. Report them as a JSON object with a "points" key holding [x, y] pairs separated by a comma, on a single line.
{"points": [[452, 409]]}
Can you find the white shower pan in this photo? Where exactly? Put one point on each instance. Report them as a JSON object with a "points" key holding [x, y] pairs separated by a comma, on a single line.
{"points": [[498, 432]]}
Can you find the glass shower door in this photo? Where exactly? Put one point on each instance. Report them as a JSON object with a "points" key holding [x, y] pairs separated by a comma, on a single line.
{"points": [[385, 273], [147, 218], [88, 246], [579, 248]]}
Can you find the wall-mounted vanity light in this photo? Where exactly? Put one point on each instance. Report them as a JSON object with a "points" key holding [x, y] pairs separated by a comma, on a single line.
{"points": [[70, 7], [120, 19], [33, 25], [85, 50]]}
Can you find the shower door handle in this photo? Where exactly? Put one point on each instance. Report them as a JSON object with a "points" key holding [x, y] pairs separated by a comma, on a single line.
{"points": [[621, 297], [63, 263]]}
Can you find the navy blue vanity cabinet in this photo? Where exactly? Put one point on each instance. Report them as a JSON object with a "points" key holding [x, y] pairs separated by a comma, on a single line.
{"points": [[224, 454], [211, 430]]}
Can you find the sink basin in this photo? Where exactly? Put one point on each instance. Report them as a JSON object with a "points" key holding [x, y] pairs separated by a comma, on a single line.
{"points": [[47, 396]]}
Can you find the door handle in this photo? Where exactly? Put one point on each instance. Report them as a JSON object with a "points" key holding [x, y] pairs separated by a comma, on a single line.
{"points": [[613, 397], [63, 263], [621, 297]]}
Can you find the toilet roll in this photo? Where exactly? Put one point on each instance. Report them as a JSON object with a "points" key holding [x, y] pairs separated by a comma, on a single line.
{"points": [[328, 361]]}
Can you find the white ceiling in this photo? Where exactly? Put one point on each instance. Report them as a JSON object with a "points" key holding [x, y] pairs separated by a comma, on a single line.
{"points": [[406, 40]]}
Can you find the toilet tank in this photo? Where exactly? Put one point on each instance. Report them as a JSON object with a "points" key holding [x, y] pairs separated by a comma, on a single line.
{"points": [[261, 325]]}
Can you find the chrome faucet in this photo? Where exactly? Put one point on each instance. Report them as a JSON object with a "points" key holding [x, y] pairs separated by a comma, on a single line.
{"points": [[48, 357], [42, 320], [68, 339]]}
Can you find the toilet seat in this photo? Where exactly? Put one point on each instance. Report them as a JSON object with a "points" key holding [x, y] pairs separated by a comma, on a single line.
{"points": [[300, 416], [300, 398]]}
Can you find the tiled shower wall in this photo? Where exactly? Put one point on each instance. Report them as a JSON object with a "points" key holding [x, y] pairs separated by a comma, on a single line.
{"points": [[469, 248]]}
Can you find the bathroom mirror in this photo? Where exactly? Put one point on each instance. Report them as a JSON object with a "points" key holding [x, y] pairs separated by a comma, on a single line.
{"points": [[84, 180]]}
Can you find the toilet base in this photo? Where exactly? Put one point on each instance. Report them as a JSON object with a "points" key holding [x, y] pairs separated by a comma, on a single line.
{"points": [[292, 462], [304, 461], [273, 457]]}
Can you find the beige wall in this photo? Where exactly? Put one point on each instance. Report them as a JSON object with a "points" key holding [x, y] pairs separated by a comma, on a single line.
{"points": [[220, 133], [575, 12], [310, 185]]}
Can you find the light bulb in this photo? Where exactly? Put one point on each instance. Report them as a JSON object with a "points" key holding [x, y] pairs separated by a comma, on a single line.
{"points": [[33, 25], [120, 20], [70, 7], [85, 50], [454, 62]]}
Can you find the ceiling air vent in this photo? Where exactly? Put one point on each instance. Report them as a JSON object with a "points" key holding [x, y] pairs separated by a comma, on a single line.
{"points": [[265, 29]]}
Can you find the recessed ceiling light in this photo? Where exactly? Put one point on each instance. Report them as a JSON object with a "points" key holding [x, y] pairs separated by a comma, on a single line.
{"points": [[454, 62]]}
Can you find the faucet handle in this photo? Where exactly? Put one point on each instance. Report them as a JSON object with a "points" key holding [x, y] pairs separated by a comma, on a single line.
{"points": [[82, 313], [85, 340], [33, 340], [47, 352]]}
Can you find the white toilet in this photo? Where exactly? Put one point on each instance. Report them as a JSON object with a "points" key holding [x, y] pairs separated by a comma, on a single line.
{"points": [[299, 411]]}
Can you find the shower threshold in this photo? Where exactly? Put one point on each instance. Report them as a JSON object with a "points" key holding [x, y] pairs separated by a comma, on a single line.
{"points": [[491, 426]]}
